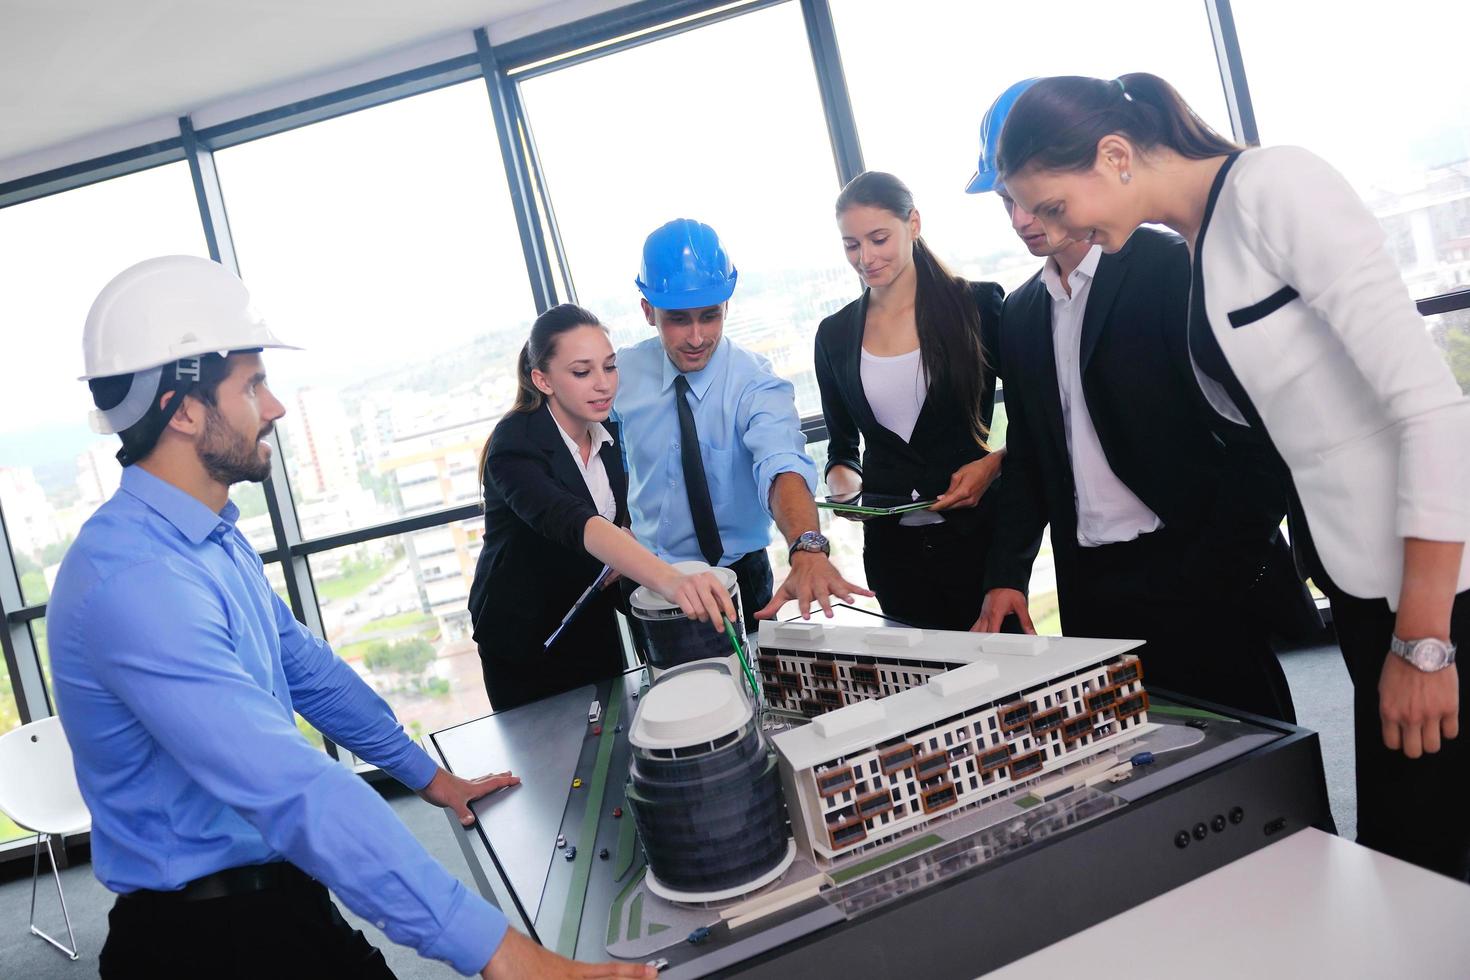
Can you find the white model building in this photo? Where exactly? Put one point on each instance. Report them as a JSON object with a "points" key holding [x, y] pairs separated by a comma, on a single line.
{"points": [[811, 668], [1007, 711]]}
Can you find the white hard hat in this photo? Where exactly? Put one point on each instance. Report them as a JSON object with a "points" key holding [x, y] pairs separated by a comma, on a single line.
{"points": [[160, 311]]}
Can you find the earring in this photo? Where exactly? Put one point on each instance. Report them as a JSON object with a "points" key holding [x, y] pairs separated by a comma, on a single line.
{"points": [[1125, 176]]}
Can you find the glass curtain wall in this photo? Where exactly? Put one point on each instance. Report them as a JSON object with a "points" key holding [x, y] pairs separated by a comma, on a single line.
{"points": [[384, 243], [922, 75], [1383, 99], [693, 126]]}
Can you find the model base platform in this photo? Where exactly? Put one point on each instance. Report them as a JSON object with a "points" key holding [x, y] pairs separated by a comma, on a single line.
{"points": [[560, 856]]}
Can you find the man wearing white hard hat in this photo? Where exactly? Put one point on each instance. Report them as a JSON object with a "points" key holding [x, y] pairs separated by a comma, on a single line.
{"points": [[178, 672]]}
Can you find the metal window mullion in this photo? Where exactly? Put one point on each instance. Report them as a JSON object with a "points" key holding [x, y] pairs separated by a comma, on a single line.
{"points": [[821, 33], [209, 195], [1232, 72], [542, 192], [509, 124], [22, 660]]}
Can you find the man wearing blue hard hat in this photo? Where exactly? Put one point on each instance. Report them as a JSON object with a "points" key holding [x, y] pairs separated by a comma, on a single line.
{"points": [[714, 443], [1158, 532]]}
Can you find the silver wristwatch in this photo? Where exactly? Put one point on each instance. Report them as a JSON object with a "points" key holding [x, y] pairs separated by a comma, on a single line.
{"points": [[1428, 655], [810, 541]]}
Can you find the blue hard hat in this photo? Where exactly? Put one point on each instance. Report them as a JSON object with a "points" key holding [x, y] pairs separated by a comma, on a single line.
{"points": [[685, 267], [986, 176]]}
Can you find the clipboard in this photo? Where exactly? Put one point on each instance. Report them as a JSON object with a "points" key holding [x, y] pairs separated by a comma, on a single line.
{"points": [[873, 505], [580, 604]]}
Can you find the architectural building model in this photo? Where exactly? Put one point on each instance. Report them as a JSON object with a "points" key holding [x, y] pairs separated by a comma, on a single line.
{"points": [[704, 788], [811, 668], [972, 717]]}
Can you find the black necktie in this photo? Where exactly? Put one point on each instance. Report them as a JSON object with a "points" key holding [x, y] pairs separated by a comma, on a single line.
{"points": [[701, 508]]}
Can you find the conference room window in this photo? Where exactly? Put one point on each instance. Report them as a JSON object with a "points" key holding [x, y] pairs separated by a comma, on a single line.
{"points": [[58, 252], [396, 610], [1407, 155], [691, 127], [383, 242], [921, 76]]}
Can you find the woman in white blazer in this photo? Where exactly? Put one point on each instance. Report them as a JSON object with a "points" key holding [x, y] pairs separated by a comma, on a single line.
{"points": [[1306, 342]]}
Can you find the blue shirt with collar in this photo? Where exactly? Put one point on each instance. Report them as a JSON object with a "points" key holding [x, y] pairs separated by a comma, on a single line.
{"points": [[749, 433], [176, 671]]}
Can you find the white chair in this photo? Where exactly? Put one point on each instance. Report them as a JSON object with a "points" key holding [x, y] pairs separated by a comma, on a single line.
{"points": [[38, 790]]}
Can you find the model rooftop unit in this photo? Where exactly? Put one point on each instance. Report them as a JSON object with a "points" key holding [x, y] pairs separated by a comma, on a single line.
{"points": [[812, 668], [704, 789], [995, 715]]}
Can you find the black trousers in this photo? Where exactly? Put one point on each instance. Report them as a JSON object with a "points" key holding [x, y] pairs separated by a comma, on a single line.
{"points": [[292, 932], [930, 575], [1194, 644], [1412, 809]]}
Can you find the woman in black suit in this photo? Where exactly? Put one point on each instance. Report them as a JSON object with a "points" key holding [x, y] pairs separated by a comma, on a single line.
{"points": [[556, 508], [903, 368]]}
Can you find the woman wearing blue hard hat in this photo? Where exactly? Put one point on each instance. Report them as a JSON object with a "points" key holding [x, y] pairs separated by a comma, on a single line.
{"points": [[1305, 343], [903, 373], [556, 511]]}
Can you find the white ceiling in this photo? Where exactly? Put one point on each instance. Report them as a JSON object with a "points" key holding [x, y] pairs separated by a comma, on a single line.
{"points": [[70, 69]]}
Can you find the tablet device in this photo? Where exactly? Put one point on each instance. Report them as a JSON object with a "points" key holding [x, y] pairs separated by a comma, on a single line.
{"points": [[873, 504]]}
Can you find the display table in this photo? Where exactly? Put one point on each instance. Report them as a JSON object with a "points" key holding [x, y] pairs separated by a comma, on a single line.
{"points": [[1309, 905]]}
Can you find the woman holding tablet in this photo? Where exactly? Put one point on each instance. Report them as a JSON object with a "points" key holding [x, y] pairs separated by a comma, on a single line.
{"points": [[903, 372]]}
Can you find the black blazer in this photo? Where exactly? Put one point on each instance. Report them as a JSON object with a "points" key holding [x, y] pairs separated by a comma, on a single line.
{"points": [[1148, 413], [940, 443], [533, 566]]}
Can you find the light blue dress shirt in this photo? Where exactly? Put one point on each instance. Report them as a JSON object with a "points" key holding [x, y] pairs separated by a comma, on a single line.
{"points": [[176, 671], [749, 433]]}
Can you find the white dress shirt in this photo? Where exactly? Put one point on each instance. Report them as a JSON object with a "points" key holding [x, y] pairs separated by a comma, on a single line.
{"points": [[895, 387], [594, 473], [1107, 511]]}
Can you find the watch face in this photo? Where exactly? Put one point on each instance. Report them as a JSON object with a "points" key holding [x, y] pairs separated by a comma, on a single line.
{"points": [[811, 541], [1431, 654]]}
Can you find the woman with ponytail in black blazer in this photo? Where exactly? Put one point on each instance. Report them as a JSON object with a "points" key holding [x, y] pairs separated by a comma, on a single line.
{"points": [[556, 509], [905, 369]]}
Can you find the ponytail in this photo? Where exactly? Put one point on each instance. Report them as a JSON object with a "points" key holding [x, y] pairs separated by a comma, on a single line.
{"points": [[1057, 123], [536, 354], [528, 396]]}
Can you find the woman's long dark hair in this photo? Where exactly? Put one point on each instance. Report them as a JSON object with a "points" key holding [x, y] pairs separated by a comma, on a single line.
{"points": [[1057, 123], [537, 353], [944, 311]]}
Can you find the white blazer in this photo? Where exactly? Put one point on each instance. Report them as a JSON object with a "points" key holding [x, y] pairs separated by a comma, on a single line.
{"points": [[1322, 335]]}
